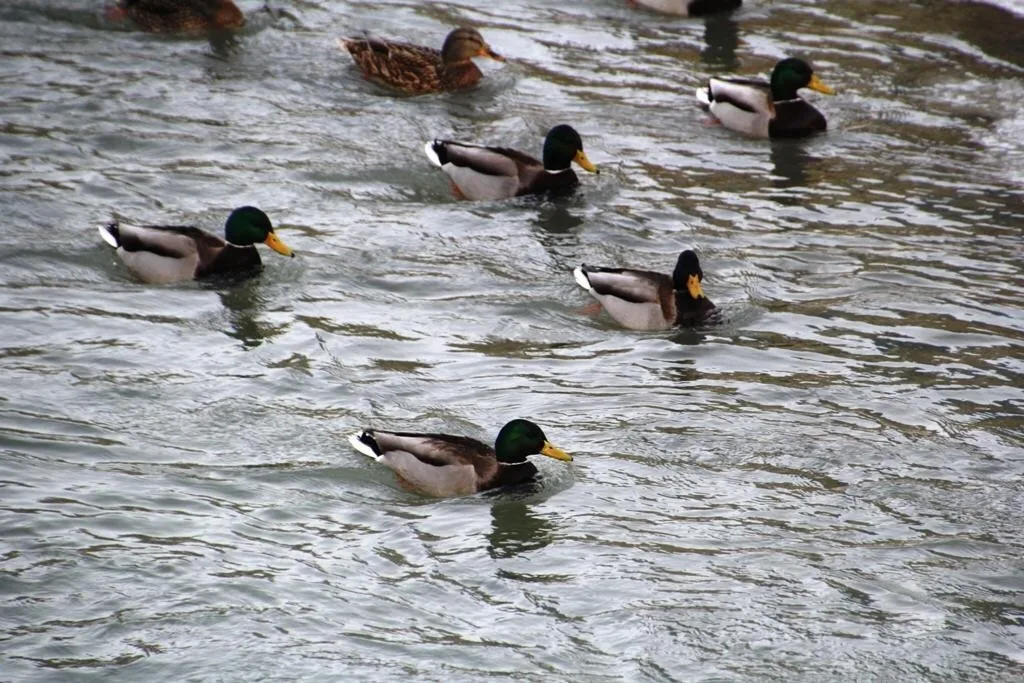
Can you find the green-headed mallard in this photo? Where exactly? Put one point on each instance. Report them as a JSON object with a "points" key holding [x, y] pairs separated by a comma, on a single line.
{"points": [[645, 300], [689, 8], [415, 69], [764, 109], [168, 16], [479, 172], [170, 253], [444, 465]]}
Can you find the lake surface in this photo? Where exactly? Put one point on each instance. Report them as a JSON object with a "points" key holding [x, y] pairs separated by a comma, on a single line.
{"points": [[828, 486]]}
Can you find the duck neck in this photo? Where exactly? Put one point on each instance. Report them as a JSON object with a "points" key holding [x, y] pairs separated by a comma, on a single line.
{"points": [[782, 87], [460, 74]]}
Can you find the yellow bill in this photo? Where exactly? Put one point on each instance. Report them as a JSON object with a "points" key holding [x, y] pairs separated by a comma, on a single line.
{"points": [[275, 243], [555, 452], [819, 85], [693, 284], [584, 162]]}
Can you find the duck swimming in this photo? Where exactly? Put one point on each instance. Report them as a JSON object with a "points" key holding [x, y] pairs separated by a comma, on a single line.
{"points": [[443, 465], [688, 8], [160, 254], [646, 300], [417, 70], [767, 109], [170, 16], [480, 172]]}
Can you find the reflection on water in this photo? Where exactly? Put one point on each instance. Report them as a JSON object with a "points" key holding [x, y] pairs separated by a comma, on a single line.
{"points": [[721, 38], [682, 372], [515, 529], [790, 161], [557, 223], [245, 306], [224, 44]]}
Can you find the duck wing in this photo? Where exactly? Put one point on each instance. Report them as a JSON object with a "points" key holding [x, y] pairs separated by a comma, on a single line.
{"points": [[170, 241], [481, 172], [407, 67], [183, 15], [634, 286], [495, 161], [433, 464], [163, 253], [637, 299], [432, 449], [749, 94]]}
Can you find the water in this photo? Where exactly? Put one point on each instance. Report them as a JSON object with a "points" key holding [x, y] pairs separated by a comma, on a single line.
{"points": [[827, 486]]}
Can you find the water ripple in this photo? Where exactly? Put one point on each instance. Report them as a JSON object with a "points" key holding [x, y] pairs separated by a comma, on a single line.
{"points": [[825, 486]]}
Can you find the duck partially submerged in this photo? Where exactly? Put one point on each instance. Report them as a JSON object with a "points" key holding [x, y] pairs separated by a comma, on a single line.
{"points": [[480, 172], [443, 465], [160, 254], [416, 69], [767, 109], [180, 16], [688, 8], [646, 300]]}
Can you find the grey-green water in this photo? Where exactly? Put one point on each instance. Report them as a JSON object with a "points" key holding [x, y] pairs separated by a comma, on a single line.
{"points": [[827, 487]]}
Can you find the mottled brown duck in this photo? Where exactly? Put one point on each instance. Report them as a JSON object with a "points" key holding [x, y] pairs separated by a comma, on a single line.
{"points": [[180, 16], [415, 69]]}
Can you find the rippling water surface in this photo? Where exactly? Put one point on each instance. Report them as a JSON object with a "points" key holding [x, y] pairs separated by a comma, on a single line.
{"points": [[827, 487]]}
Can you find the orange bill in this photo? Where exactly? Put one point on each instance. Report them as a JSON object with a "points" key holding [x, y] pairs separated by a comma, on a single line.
{"points": [[275, 243]]}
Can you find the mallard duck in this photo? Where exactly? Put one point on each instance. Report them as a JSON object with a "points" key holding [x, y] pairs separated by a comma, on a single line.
{"points": [[479, 172], [765, 109], [688, 8], [160, 254], [645, 300], [415, 69], [167, 16], [443, 465]]}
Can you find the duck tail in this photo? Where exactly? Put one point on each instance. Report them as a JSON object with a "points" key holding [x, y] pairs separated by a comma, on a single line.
{"points": [[704, 96], [580, 273], [434, 149], [364, 442], [348, 44], [111, 234]]}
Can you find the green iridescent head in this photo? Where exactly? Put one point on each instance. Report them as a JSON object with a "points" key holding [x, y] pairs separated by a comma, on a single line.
{"points": [[247, 225], [790, 75], [521, 438], [562, 146]]}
